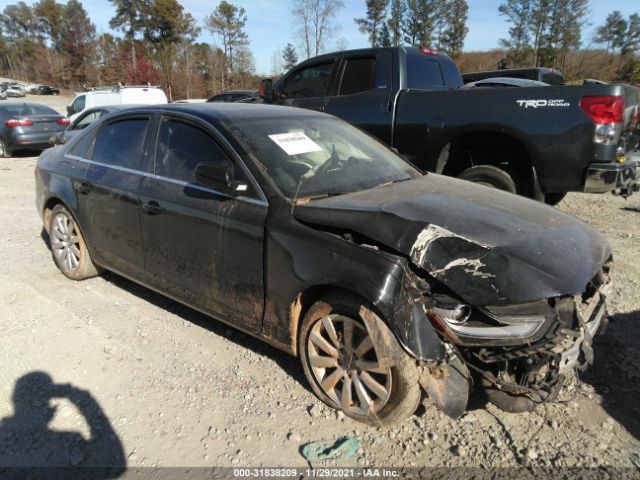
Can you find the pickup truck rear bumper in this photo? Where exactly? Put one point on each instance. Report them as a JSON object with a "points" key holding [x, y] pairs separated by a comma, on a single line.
{"points": [[623, 178]]}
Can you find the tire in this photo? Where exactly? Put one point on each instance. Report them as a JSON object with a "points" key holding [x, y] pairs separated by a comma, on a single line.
{"points": [[68, 247], [4, 152], [490, 176], [554, 198], [400, 393]]}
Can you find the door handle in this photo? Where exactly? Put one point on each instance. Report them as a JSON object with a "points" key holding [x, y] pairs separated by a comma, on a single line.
{"points": [[85, 188], [152, 208], [319, 108]]}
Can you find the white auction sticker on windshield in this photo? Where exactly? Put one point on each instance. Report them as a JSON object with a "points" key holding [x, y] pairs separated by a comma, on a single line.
{"points": [[295, 142]]}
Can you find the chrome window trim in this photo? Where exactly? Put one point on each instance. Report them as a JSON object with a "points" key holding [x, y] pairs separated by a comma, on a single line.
{"points": [[253, 201]]}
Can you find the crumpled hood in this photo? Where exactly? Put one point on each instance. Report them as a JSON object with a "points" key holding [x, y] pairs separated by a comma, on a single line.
{"points": [[488, 246]]}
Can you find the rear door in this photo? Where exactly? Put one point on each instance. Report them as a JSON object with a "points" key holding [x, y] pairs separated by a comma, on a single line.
{"points": [[364, 96], [202, 246], [107, 180]]}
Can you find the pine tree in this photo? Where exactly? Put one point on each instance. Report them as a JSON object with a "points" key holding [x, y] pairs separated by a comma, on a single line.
{"points": [[396, 20], [519, 42], [451, 39], [228, 22], [372, 24], [610, 32], [289, 57], [129, 17]]}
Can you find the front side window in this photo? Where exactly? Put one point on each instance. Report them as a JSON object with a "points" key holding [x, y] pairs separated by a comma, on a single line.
{"points": [[308, 82], [309, 157], [359, 76], [78, 104], [181, 147], [121, 143]]}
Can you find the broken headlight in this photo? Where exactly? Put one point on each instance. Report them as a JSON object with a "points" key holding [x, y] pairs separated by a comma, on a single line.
{"points": [[512, 324]]}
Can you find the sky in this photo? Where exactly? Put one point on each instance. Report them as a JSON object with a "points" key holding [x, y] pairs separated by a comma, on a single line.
{"points": [[270, 27]]}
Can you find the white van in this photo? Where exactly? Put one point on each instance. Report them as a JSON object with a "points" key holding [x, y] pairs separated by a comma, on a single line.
{"points": [[118, 95]]}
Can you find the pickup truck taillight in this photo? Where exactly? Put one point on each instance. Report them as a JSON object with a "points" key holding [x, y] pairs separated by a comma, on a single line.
{"points": [[607, 112], [18, 123]]}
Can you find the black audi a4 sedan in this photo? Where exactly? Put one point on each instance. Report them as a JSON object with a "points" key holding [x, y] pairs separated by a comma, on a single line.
{"points": [[300, 229]]}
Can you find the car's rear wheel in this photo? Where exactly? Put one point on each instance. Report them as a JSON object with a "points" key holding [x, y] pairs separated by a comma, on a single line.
{"points": [[68, 246], [341, 365], [490, 176], [4, 151]]}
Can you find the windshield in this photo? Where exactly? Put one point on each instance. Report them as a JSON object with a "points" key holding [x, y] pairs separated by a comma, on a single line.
{"points": [[313, 157]]}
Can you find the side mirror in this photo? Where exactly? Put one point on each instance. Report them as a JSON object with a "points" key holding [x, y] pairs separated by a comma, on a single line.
{"points": [[219, 176], [69, 110], [266, 90], [58, 139]]}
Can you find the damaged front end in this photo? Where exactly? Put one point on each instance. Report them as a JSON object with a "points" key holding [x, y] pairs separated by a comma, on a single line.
{"points": [[518, 354]]}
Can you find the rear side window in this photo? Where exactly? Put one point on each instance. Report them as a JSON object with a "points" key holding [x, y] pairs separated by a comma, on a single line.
{"points": [[181, 147], [121, 143], [359, 76], [423, 72], [308, 82]]}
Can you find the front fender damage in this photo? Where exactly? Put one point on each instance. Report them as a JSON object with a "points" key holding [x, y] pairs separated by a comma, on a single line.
{"points": [[446, 380]]}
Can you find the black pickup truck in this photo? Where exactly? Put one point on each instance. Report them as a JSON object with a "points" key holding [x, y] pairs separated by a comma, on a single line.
{"points": [[540, 142]]}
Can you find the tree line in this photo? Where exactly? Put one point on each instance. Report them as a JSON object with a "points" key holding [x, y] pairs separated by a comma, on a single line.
{"points": [[549, 33], [160, 43], [441, 24]]}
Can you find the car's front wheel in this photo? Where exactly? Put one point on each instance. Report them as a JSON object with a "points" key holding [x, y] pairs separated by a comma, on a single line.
{"points": [[68, 246], [341, 365]]}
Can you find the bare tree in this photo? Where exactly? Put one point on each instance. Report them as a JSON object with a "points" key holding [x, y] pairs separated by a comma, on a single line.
{"points": [[314, 21]]}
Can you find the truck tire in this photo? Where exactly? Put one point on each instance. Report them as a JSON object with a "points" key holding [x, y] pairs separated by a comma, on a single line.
{"points": [[554, 198], [342, 373], [489, 176]]}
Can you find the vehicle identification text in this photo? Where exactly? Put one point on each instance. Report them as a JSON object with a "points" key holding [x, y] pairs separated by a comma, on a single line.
{"points": [[542, 103]]}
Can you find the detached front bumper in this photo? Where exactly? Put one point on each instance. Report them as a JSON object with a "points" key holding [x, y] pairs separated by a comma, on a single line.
{"points": [[622, 178]]}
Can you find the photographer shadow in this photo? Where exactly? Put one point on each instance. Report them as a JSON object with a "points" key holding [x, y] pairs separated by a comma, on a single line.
{"points": [[27, 444]]}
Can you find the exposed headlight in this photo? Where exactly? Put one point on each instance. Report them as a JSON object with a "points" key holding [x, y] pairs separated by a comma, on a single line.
{"points": [[466, 324]]}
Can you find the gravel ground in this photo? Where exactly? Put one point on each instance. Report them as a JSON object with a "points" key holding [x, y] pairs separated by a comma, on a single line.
{"points": [[167, 386]]}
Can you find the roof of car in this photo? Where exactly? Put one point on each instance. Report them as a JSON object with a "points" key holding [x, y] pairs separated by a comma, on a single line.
{"points": [[220, 112]]}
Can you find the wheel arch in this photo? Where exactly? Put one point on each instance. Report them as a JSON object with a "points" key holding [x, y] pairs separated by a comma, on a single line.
{"points": [[49, 205], [305, 299], [501, 148]]}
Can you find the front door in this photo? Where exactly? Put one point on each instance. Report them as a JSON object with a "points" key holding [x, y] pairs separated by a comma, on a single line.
{"points": [[308, 87], [202, 246]]}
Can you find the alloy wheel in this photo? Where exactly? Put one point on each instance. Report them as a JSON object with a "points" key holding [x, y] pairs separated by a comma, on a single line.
{"points": [[345, 365], [65, 242]]}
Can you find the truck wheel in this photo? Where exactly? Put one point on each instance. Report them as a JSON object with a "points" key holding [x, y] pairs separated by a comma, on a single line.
{"points": [[490, 176], [68, 246], [342, 367], [554, 198]]}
